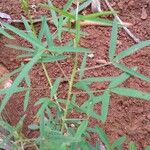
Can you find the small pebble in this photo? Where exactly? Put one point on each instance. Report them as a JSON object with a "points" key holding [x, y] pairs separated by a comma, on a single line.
{"points": [[144, 14], [91, 55]]}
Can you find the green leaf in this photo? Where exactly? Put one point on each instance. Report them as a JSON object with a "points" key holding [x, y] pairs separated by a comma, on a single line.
{"points": [[81, 129], [62, 12], [26, 100], [113, 41], [55, 87], [147, 148], [43, 28], [20, 48], [25, 36], [11, 74], [78, 28], [25, 55], [60, 28], [103, 137], [6, 126], [53, 13], [131, 50], [2, 31], [48, 34], [118, 142], [68, 4], [131, 71], [83, 65], [132, 146], [92, 80], [94, 15], [20, 77], [17, 90], [120, 79], [52, 58], [63, 49], [131, 93], [105, 106], [28, 28]]}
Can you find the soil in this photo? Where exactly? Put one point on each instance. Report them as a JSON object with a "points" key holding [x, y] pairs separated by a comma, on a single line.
{"points": [[127, 116]]}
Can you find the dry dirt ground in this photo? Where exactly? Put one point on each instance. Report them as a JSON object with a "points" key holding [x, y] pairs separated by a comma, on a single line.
{"points": [[127, 116]]}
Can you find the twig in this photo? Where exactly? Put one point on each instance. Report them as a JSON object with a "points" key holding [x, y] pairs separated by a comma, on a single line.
{"points": [[137, 40]]}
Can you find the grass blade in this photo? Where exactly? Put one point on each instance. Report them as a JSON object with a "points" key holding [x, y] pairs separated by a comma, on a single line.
{"points": [[131, 50], [53, 13], [19, 78], [103, 137], [52, 58], [83, 65], [26, 100], [81, 129], [131, 93], [119, 142], [20, 48], [55, 87], [105, 106], [113, 41], [131, 71], [28, 28], [25, 36], [132, 146], [3, 32], [94, 15], [62, 49]]}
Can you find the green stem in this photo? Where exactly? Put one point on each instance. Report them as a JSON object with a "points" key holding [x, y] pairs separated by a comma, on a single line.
{"points": [[69, 92], [50, 84]]}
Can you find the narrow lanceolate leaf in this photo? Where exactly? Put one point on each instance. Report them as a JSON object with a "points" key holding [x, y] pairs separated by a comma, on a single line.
{"points": [[52, 58], [11, 74], [113, 41], [6, 126], [26, 100], [81, 7], [16, 90], [118, 143], [25, 36], [3, 32], [93, 79], [105, 106], [83, 65], [62, 12], [55, 87], [131, 93], [20, 77], [28, 28], [53, 13], [131, 50], [48, 35], [20, 48], [25, 55], [131, 72], [62, 49], [60, 27], [81, 129], [132, 146], [120, 79], [103, 137], [43, 28], [68, 4], [94, 15]]}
